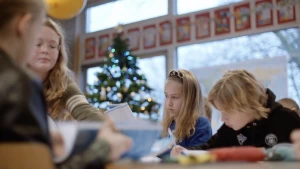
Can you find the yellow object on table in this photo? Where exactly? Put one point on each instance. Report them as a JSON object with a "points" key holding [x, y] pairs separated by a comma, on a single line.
{"points": [[196, 159]]}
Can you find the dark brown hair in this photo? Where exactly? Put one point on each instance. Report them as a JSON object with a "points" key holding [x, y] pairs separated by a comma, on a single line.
{"points": [[11, 8]]}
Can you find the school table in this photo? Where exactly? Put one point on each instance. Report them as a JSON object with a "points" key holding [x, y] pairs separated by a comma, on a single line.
{"points": [[257, 165]]}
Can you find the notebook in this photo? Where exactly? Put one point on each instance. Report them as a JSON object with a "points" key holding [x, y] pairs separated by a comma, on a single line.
{"points": [[120, 112], [143, 134], [79, 135]]}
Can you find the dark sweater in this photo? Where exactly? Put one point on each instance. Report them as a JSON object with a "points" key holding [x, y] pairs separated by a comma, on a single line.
{"points": [[23, 115]]}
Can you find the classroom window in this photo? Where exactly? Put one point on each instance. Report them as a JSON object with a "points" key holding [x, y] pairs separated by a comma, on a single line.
{"points": [[111, 14], [258, 46], [91, 74], [154, 68], [187, 6]]}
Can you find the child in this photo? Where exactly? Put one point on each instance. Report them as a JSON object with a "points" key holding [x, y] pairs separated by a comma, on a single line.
{"points": [[290, 104], [23, 117], [183, 109], [49, 62], [20, 122], [250, 114]]}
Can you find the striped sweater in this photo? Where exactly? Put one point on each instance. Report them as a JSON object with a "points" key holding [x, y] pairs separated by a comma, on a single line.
{"points": [[76, 103]]}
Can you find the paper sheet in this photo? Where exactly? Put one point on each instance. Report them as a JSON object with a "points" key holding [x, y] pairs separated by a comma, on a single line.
{"points": [[120, 112]]}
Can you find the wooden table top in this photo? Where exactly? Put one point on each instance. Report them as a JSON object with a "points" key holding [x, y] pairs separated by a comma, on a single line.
{"points": [[258, 165]]}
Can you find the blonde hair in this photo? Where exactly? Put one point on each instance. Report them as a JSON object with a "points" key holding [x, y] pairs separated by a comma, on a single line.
{"points": [[290, 104], [59, 77], [239, 90], [208, 109], [191, 107], [10, 8]]}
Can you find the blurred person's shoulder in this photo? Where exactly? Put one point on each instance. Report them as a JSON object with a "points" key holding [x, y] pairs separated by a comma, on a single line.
{"points": [[13, 79]]}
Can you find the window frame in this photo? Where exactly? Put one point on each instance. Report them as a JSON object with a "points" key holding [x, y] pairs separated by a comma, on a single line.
{"points": [[94, 3], [169, 51]]}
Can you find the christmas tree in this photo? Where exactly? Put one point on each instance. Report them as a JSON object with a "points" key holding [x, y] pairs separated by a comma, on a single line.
{"points": [[121, 81]]}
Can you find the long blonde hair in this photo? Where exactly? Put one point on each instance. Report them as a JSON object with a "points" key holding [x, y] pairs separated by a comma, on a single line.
{"points": [[208, 109], [59, 77], [191, 108], [239, 90]]}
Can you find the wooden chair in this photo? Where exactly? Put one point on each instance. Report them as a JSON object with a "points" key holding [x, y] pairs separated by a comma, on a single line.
{"points": [[25, 156]]}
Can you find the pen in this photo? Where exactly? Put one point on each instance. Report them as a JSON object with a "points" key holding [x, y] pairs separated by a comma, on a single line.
{"points": [[172, 136]]}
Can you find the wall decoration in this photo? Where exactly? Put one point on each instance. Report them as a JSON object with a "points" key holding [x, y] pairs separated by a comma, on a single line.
{"points": [[134, 39], [149, 39], [90, 48], [183, 27], [285, 12], [222, 21], [103, 45], [202, 22], [242, 17], [165, 33], [264, 13]]}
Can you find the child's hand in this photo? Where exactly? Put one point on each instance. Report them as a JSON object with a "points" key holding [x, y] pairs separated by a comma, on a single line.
{"points": [[295, 136], [110, 124], [176, 150], [118, 142]]}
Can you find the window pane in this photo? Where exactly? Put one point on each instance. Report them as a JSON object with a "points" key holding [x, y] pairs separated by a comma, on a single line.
{"points": [[264, 45], [91, 75], [154, 68], [123, 12], [187, 6]]}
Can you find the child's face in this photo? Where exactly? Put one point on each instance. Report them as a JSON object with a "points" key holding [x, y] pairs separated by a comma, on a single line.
{"points": [[173, 97], [234, 119], [46, 51]]}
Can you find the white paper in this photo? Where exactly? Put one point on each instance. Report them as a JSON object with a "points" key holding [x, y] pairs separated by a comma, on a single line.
{"points": [[161, 146], [194, 152], [150, 159], [68, 131], [120, 112]]}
